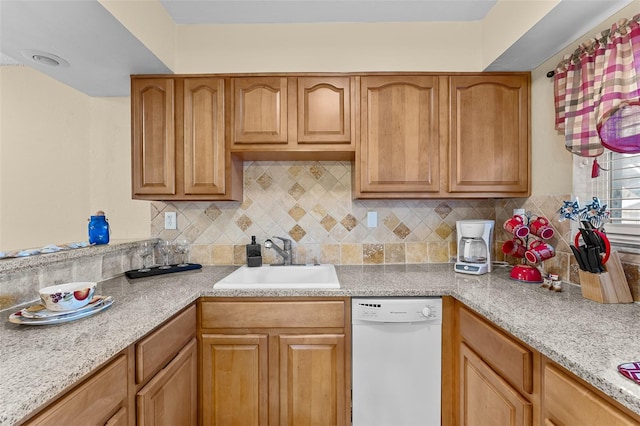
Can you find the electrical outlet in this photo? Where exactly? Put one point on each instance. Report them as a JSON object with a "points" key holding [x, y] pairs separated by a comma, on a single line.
{"points": [[372, 219], [170, 221]]}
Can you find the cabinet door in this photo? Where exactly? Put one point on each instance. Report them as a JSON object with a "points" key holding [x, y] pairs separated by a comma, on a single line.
{"points": [[400, 142], [324, 110], [486, 398], [153, 136], [235, 389], [118, 419], [171, 397], [567, 402], [312, 380], [489, 134], [204, 143], [96, 401], [260, 110]]}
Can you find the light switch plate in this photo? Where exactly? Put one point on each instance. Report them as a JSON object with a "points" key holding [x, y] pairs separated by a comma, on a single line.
{"points": [[170, 221], [372, 219]]}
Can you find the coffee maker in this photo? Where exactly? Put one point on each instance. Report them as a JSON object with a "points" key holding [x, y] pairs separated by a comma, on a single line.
{"points": [[475, 241]]}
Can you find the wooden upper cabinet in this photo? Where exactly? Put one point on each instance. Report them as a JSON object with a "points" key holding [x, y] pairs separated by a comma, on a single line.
{"points": [[153, 136], [399, 153], [489, 135], [299, 118], [179, 146], [260, 110], [204, 144], [324, 110]]}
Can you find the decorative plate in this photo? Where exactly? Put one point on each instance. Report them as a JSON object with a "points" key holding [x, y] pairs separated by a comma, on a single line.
{"points": [[17, 317], [39, 311]]}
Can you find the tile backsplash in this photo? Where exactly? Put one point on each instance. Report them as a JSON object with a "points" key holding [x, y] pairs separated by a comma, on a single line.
{"points": [[311, 204]]}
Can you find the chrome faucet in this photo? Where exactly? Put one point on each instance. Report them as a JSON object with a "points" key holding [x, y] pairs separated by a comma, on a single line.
{"points": [[285, 252]]}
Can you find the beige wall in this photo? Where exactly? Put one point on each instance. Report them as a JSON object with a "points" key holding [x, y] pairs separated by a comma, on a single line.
{"points": [[329, 47], [63, 155], [44, 166]]}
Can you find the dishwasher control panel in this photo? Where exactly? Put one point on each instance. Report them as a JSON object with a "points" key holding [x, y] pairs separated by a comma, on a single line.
{"points": [[397, 309]]}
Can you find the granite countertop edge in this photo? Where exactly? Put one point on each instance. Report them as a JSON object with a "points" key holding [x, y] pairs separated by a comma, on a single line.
{"points": [[562, 326]]}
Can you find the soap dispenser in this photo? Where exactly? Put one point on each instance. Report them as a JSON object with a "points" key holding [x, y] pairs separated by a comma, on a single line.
{"points": [[254, 253]]}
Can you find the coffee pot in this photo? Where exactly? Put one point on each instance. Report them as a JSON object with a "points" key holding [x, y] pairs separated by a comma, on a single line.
{"points": [[475, 240]]}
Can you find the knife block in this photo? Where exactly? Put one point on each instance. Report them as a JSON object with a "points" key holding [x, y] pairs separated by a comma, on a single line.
{"points": [[606, 287]]}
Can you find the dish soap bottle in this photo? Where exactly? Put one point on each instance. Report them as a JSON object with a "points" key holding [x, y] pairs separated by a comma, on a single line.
{"points": [[99, 229], [254, 253]]}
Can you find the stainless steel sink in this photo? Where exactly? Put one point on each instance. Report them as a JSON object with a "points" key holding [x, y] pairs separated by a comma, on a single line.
{"points": [[290, 276]]}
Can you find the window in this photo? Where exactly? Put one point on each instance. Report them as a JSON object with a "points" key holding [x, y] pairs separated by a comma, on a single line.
{"points": [[618, 186]]}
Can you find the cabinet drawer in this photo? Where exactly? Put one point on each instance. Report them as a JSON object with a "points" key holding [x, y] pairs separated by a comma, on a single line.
{"points": [[95, 401], [566, 401], [513, 361], [315, 314], [155, 350]]}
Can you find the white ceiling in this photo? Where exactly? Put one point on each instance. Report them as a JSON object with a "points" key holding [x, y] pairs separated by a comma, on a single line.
{"points": [[313, 11], [103, 53]]}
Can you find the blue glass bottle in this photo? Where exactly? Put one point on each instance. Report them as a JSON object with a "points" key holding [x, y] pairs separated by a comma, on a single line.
{"points": [[98, 230]]}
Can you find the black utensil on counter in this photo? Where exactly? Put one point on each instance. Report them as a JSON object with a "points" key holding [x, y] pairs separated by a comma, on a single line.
{"points": [[579, 258]]}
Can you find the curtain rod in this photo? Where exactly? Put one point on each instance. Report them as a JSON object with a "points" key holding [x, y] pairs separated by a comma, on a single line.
{"points": [[623, 24]]}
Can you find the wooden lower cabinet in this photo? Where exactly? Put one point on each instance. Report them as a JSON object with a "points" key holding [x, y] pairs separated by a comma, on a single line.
{"points": [[100, 399], [500, 381], [235, 379], [171, 397], [312, 379], [567, 401], [275, 362], [486, 398]]}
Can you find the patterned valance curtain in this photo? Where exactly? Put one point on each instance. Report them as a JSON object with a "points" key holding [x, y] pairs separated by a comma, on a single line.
{"points": [[597, 92]]}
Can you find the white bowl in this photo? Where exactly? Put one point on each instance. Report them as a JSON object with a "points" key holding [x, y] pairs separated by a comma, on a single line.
{"points": [[67, 297]]}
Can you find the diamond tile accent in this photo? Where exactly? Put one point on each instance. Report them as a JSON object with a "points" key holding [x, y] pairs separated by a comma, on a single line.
{"points": [[444, 230], [212, 212], [297, 233], [328, 222], [265, 181], [317, 171], [297, 212], [244, 222], [443, 210], [391, 221], [295, 170], [296, 191], [349, 222], [402, 231]]}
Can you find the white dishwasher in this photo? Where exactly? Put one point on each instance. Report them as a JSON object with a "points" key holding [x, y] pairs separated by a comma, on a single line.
{"points": [[396, 364]]}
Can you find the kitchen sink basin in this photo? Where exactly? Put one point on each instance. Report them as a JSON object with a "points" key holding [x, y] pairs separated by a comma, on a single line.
{"points": [[280, 276]]}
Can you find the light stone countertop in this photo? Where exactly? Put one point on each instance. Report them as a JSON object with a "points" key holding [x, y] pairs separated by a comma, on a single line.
{"points": [[587, 338]]}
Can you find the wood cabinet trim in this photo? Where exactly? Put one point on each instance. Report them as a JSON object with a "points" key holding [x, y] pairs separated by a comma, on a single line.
{"points": [[153, 161], [151, 400], [247, 393], [568, 400], [273, 314], [520, 410], [512, 360], [306, 390], [155, 350], [505, 152], [95, 400]]}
